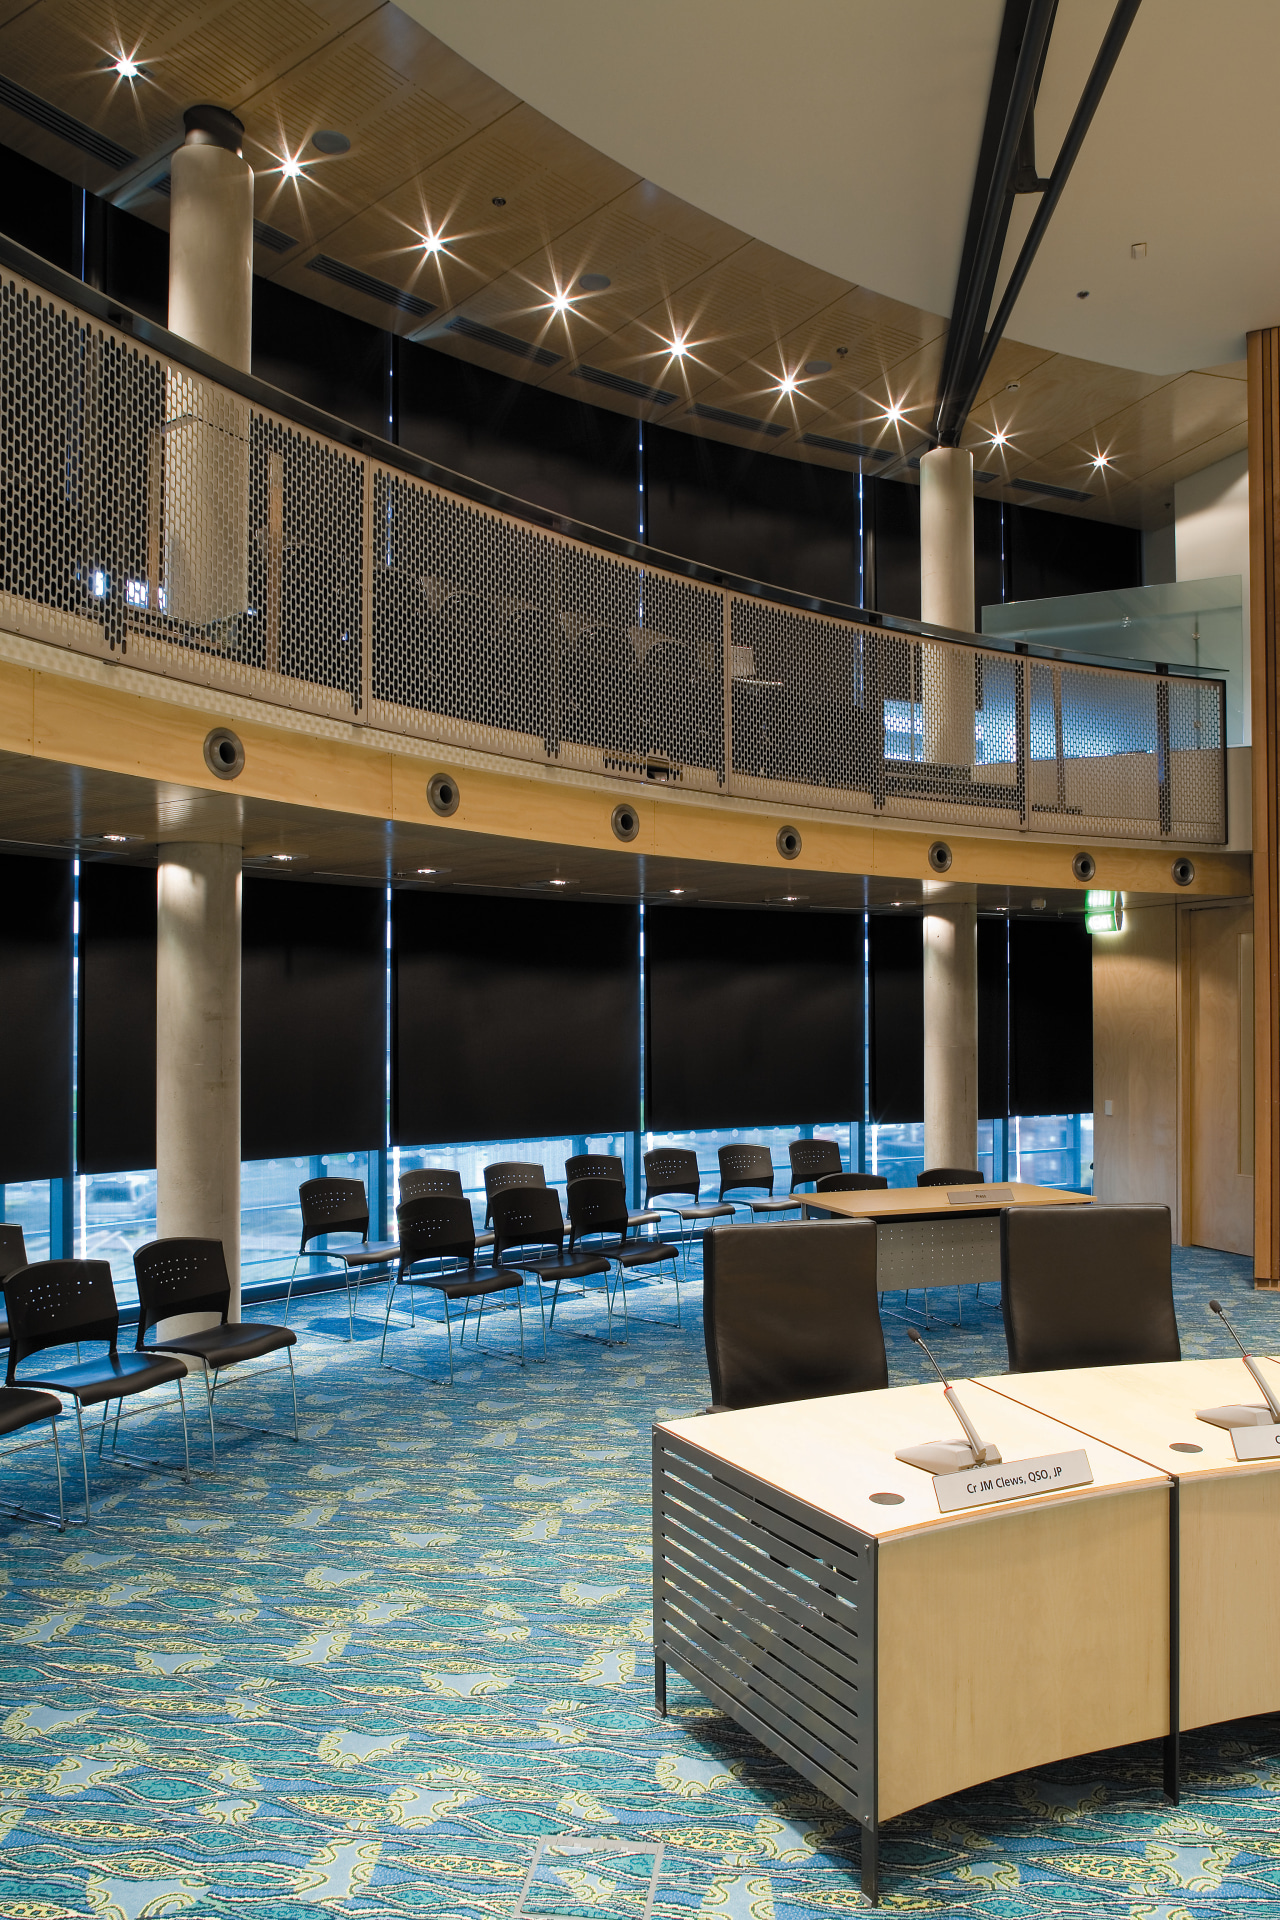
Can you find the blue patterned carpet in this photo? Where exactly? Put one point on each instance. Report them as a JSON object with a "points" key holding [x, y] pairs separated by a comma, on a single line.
{"points": [[371, 1674]]}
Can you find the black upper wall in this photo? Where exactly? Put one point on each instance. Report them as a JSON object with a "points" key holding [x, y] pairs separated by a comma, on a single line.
{"points": [[735, 510]]}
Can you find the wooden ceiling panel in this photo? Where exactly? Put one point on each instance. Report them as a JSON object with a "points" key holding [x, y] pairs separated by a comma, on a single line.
{"points": [[435, 143]]}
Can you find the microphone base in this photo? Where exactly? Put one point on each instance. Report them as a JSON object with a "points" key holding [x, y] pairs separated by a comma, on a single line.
{"points": [[1230, 1417], [945, 1456]]}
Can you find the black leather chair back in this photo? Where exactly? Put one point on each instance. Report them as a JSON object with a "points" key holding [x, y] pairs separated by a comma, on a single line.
{"points": [[851, 1183], [596, 1205], [13, 1248], [1087, 1287], [791, 1314], [743, 1166], [57, 1303], [426, 1182], [594, 1166], [951, 1177], [434, 1226], [526, 1217], [670, 1170]]}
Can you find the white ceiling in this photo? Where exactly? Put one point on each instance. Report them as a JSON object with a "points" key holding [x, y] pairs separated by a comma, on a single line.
{"points": [[845, 132]]}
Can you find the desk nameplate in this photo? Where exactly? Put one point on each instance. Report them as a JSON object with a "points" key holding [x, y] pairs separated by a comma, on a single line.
{"points": [[1012, 1480], [1256, 1443], [978, 1196]]}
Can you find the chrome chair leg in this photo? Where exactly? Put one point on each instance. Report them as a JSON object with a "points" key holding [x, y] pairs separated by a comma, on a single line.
{"points": [[133, 1460], [18, 1512]]}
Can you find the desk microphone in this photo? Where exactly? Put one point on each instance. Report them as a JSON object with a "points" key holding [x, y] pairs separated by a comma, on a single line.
{"points": [[949, 1456], [1229, 1417]]}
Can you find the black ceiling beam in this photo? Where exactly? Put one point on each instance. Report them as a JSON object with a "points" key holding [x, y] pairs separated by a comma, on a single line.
{"points": [[1121, 21], [1020, 52]]}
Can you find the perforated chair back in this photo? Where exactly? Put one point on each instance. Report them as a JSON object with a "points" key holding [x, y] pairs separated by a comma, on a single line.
{"points": [[57, 1302], [435, 1226], [13, 1248], [513, 1173], [424, 1181], [951, 1177], [180, 1276], [811, 1159], [597, 1205], [792, 1316], [745, 1166], [594, 1166], [333, 1206], [670, 1170], [1087, 1286], [526, 1217], [850, 1183]]}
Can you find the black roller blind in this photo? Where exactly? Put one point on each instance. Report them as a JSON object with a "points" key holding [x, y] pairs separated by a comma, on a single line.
{"points": [[35, 1018], [1050, 1016], [116, 1108], [993, 1019], [313, 1014], [514, 1019], [897, 1017], [754, 1019]]}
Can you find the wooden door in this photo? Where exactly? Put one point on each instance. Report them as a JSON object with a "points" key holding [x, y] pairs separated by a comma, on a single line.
{"points": [[1219, 986]]}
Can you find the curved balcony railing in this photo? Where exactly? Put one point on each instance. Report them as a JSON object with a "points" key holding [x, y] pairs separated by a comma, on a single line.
{"points": [[194, 522]]}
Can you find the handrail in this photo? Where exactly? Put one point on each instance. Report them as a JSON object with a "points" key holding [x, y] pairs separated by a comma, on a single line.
{"points": [[113, 313], [200, 524]]}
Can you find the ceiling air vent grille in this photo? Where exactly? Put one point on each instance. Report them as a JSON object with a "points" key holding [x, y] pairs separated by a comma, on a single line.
{"points": [[504, 342], [1054, 493], [743, 421], [619, 383], [54, 120], [365, 283], [843, 446]]}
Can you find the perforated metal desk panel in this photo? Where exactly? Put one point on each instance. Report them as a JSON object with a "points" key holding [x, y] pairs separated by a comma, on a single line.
{"points": [[926, 1239], [890, 1653], [1228, 1514]]}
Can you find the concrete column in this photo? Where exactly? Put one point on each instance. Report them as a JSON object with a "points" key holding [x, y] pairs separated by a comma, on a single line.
{"points": [[211, 238], [205, 457], [946, 600], [951, 1034], [198, 1048]]}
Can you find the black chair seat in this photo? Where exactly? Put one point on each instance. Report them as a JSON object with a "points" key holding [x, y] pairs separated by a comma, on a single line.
{"points": [[641, 1253], [223, 1346], [646, 1217], [776, 1203], [19, 1407], [370, 1253], [577, 1269], [111, 1377], [704, 1210], [499, 1280]]}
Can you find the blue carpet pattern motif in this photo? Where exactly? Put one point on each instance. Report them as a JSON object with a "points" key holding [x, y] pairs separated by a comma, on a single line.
{"points": [[383, 1672]]}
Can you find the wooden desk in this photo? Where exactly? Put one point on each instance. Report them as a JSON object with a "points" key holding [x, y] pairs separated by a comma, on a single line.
{"points": [[891, 1653], [924, 1239], [1228, 1515]]}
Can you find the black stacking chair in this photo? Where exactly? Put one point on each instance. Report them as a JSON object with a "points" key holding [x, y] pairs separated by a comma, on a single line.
{"points": [[436, 1180], [951, 1177], [607, 1166], [672, 1170], [60, 1303], [1087, 1286], [749, 1169], [812, 1160], [843, 1183], [510, 1173], [598, 1205], [182, 1276], [438, 1227], [13, 1254], [339, 1206], [792, 1316], [529, 1217], [24, 1407]]}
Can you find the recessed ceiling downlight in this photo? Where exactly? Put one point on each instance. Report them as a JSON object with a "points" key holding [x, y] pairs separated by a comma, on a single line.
{"points": [[594, 282], [329, 140]]}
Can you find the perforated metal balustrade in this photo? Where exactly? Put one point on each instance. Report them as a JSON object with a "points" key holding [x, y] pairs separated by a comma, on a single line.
{"points": [[155, 516]]}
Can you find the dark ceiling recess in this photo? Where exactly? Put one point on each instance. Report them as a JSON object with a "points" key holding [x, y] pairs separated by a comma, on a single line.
{"points": [[1006, 168]]}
